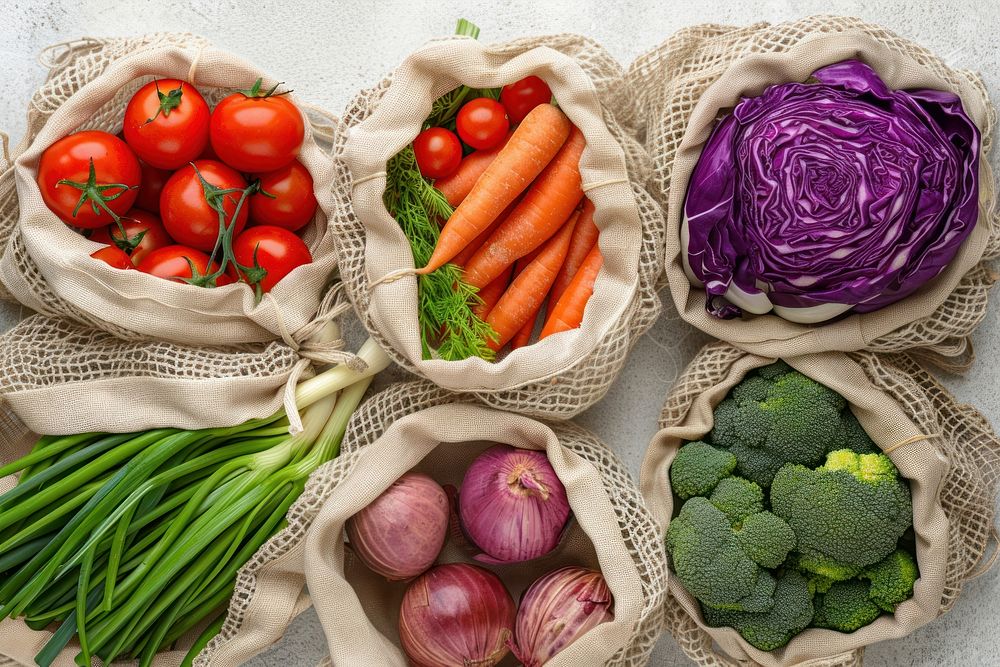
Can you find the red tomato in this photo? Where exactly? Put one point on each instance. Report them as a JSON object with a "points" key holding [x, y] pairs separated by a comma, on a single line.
{"points": [[150, 187], [256, 133], [522, 96], [186, 213], [438, 152], [293, 203], [113, 256], [278, 251], [70, 159], [166, 123], [171, 263], [136, 222], [482, 123]]}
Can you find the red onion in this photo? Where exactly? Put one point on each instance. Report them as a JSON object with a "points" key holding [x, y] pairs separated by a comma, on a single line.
{"points": [[402, 532], [512, 505], [456, 615], [559, 608]]}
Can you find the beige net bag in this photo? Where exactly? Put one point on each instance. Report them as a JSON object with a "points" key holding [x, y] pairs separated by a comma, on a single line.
{"points": [[699, 72], [564, 374], [63, 377], [46, 265], [156, 353], [422, 427], [947, 450]]}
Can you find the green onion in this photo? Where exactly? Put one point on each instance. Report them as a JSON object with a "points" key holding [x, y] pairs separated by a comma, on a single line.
{"points": [[129, 541]]}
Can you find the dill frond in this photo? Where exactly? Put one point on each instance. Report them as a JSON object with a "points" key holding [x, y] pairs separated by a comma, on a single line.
{"points": [[447, 322]]}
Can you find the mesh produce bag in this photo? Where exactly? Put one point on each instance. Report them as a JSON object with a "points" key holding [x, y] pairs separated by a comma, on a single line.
{"points": [[701, 71], [46, 265], [564, 374], [948, 451], [90, 374], [419, 426]]}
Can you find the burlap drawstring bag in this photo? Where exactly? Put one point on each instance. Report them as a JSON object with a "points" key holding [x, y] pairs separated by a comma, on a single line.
{"points": [[564, 374], [423, 427], [702, 71], [46, 265], [947, 450], [63, 377]]}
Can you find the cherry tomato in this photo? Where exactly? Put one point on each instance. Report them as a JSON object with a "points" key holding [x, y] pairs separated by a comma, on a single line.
{"points": [[256, 133], [70, 159], [151, 186], [135, 222], [522, 96], [166, 123], [292, 204], [171, 263], [482, 123], [277, 250], [113, 256], [186, 213], [438, 152]]}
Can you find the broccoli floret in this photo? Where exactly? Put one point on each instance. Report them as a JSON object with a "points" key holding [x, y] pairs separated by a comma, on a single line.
{"points": [[851, 435], [761, 598], [847, 514], [766, 539], [776, 416], [770, 630], [709, 560], [698, 467], [738, 498], [892, 580], [825, 567], [845, 607]]}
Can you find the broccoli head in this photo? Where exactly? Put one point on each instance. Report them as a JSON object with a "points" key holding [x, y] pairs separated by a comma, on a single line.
{"points": [[845, 607], [770, 630], [698, 467], [710, 561], [847, 514], [776, 416], [892, 579], [738, 498]]}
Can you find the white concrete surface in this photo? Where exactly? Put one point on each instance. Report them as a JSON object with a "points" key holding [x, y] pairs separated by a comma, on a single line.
{"points": [[327, 50]]}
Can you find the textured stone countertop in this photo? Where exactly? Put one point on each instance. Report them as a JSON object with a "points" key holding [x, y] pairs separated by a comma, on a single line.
{"points": [[327, 50]]}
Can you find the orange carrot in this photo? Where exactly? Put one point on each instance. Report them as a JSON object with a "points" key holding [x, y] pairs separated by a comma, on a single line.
{"points": [[568, 312], [523, 337], [533, 145], [456, 187], [545, 206], [491, 294], [525, 295], [584, 238], [462, 258]]}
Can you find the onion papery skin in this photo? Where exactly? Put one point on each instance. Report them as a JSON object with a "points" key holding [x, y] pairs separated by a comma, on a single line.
{"points": [[839, 194], [558, 609], [401, 533], [512, 505], [456, 615]]}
